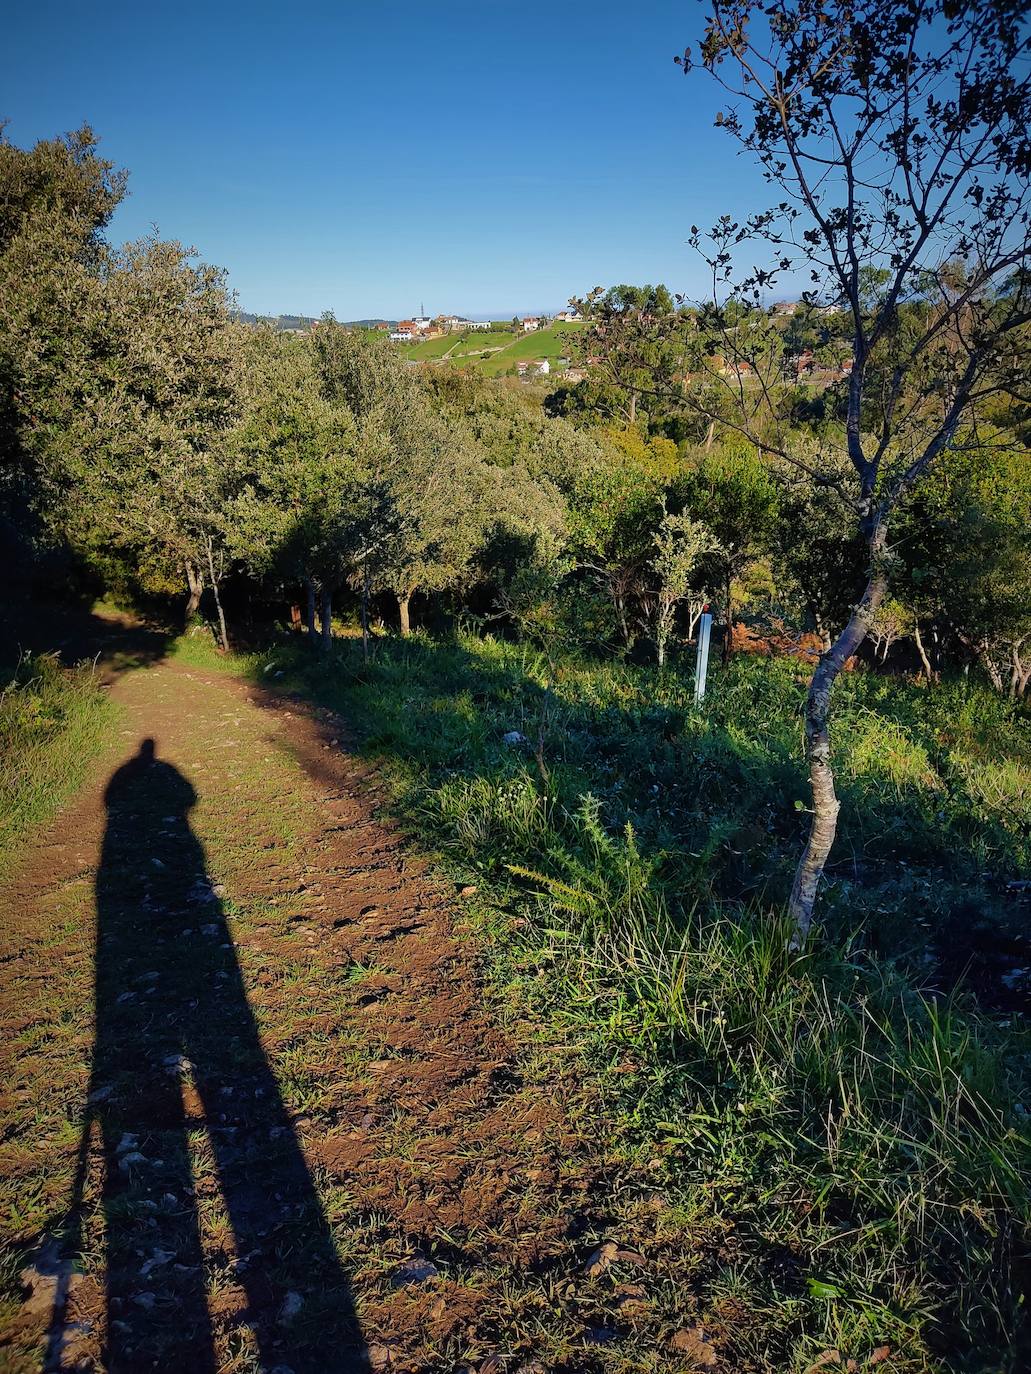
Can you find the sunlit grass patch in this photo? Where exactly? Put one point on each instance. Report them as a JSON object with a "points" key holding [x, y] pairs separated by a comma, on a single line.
{"points": [[53, 722]]}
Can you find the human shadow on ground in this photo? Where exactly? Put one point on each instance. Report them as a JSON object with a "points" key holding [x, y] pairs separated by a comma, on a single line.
{"points": [[178, 1057]]}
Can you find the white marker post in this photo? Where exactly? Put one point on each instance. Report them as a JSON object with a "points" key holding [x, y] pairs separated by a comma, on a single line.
{"points": [[702, 664]]}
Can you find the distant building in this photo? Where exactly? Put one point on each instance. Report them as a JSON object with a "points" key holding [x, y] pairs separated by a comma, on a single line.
{"points": [[733, 369], [533, 367], [530, 322], [568, 316], [784, 308]]}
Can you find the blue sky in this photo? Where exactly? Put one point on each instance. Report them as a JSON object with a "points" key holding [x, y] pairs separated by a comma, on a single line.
{"points": [[470, 155]]}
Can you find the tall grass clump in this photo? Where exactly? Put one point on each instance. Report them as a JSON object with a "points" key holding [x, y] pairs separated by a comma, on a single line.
{"points": [[865, 1144], [52, 723]]}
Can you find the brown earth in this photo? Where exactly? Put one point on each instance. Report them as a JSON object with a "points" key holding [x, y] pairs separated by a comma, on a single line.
{"points": [[262, 1113]]}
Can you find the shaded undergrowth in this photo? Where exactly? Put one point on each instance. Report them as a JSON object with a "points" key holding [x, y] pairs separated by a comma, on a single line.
{"points": [[849, 1122], [53, 721]]}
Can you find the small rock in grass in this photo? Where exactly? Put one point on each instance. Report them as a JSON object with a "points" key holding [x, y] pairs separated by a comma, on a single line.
{"points": [[132, 1157], [145, 1300], [292, 1304], [600, 1335], [610, 1253], [690, 1342], [416, 1271], [157, 1259], [514, 738]]}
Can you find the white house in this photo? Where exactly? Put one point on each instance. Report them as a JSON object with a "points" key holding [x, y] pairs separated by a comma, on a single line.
{"points": [[568, 316], [530, 322], [402, 336]]}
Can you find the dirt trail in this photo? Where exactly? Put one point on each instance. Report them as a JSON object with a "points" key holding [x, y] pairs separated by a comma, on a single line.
{"points": [[281, 1130]]}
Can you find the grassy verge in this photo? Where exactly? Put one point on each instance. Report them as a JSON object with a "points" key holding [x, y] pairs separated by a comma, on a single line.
{"points": [[52, 723], [850, 1124]]}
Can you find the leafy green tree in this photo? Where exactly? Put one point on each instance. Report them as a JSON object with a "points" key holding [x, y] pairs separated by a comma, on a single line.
{"points": [[293, 453], [633, 345], [680, 545], [733, 494], [896, 139], [55, 201], [967, 566], [614, 509]]}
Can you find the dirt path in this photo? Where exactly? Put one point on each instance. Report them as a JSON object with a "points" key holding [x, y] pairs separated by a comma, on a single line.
{"points": [[254, 1088]]}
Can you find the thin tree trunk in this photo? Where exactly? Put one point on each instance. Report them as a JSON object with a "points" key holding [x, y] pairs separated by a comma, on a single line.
{"points": [[1021, 672], [218, 601], [922, 651], [365, 612], [709, 435], [195, 583], [326, 614], [624, 628], [309, 609], [403, 602], [818, 747], [728, 639]]}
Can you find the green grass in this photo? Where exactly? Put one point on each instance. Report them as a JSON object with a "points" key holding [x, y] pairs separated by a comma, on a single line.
{"points": [[852, 1128], [476, 341], [428, 350], [53, 721], [504, 347], [551, 343]]}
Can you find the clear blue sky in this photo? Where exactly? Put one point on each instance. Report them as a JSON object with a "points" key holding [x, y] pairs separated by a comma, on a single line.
{"points": [[472, 155]]}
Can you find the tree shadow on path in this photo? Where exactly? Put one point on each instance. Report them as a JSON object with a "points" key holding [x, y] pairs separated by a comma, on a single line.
{"points": [[179, 1058]]}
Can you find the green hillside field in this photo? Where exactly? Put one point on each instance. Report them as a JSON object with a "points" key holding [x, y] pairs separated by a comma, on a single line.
{"points": [[551, 343], [496, 350]]}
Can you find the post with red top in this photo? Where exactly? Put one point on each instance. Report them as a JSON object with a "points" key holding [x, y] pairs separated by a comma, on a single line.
{"points": [[702, 664]]}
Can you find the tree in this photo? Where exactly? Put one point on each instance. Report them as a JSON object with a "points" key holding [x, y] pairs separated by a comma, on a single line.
{"points": [[614, 509], [141, 443], [294, 454], [55, 201], [896, 136], [627, 350], [966, 565], [680, 544], [733, 493]]}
